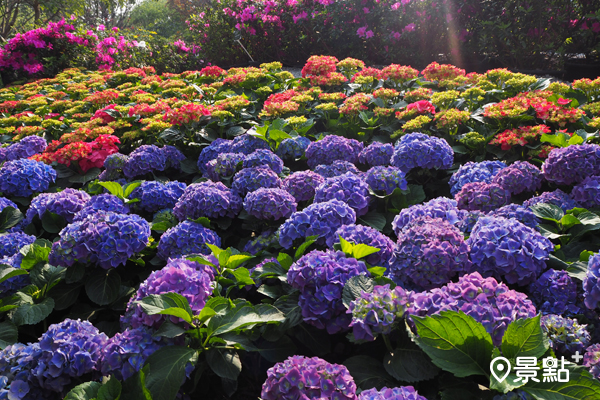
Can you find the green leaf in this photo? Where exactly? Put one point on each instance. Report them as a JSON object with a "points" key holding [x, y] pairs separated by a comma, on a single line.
{"points": [[374, 219], [170, 330], [34, 254], [236, 260], [111, 390], [362, 250], [114, 188], [167, 371], [524, 338], [9, 217], [88, 176], [510, 382], [368, 372], [578, 270], [575, 139], [549, 212], [85, 391], [302, 248], [134, 387], [278, 350], [569, 220], [346, 246], [225, 363], [9, 334], [317, 340], [241, 316], [102, 286], [377, 272], [53, 223], [561, 139], [130, 187], [588, 218], [581, 385], [205, 222], [167, 304], [416, 195], [354, 287], [242, 276], [10, 272], [455, 342], [31, 314], [285, 260], [410, 364], [46, 275]]}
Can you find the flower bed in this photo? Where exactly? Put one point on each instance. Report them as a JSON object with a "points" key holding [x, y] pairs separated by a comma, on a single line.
{"points": [[353, 234]]}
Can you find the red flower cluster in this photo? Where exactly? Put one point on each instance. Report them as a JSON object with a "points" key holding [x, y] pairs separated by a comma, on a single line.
{"points": [[319, 65], [437, 72], [186, 114], [104, 97], [399, 73], [87, 154], [374, 72], [519, 136]]}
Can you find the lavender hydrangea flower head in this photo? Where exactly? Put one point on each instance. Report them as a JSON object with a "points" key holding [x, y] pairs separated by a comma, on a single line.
{"points": [[336, 168], [207, 199], [360, 234], [467, 220], [587, 193], [429, 253], [474, 172], [66, 204], [11, 243], [300, 377], [331, 148], [348, 188], [591, 283], [376, 154], [572, 164], [173, 156], [223, 166], [505, 248], [187, 237], [146, 158], [302, 184], [421, 150], [320, 277], [212, 151], [320, 219], [518, 212], [554, 292], [386, 179], [398, 393], [591, 360], [24, 148], [12, 284], [440, 207], [557, 197], [248, 144], [104, 238], [270, 204], [113, 165], [566, 335], [519, 177], [262, 242], [16, 362], [264, 157], [292, 148], [190, 279], [482, 196], [102, 202], [24, 177], [375, 313], [155, 196], [250, 179]]}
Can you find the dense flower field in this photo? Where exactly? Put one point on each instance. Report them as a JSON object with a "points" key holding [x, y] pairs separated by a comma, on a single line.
{"points": [[357, 233]]}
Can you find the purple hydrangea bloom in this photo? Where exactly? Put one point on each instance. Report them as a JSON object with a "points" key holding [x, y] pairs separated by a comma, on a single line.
{"points": [[386, 179], [398, 393], [591, 360], [262, 242], [520, 213], [331, 148], [587, 193], [24, 177], [24, 148], [104, 238], [505, 248], [11, 243], [103, 202], [187, 237], [174, 156], [11, 285], [336, 168], [554, 292], [360, 234], [467, 220], [66, 204], [302, 184], [223, 166], [190, 279], [421, 150], [248, 144], [375, 313], [211, 152], [376, 154], [482, 196], [440, 207], [572, 164], [115, 162], [146, 158], [269, 203], [519, 177], [429, 253], [320, 219], [292, 148], [155, 196], [264, 157], [207, 199], [250, 179], [349, 188], [300, 377], [16, 362], [566, 335], [591, 283], [474, 172], [557, 197]]}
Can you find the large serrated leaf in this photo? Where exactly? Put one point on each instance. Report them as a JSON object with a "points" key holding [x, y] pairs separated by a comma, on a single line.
{"points": [[225, 363], [368, 372], [31, 314], [167, 304], [581, 385], [9, 217], [167, 371], [9, 334], [524, 338], [408, 363], [102, 287], [111, 390], [354, 287], [85, 391], [549, 212]]}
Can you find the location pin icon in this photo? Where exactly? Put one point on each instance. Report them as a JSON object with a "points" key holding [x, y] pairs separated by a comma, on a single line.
{"points": [[500, 368]]}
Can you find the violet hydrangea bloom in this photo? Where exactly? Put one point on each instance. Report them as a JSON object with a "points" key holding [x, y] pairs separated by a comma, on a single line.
{"points": [[263, 157], [155, 196], [250, 179], [248, 144], [103, 202], [429, 253], [349, 188], [482, 196], [24, 177], [386, 179], [474, 172], [360, 234], [376, 154], [518, 212], [557, 197], [467, 220], [262, 242], [566, 335], [507, 249], [302, 184], [16, 362], [187, 237], [572, 164], [591, 283], [519, 177], [207, 199], [554, 292], [319, 219], [212, 151], [12, 284], [587, 193], [24, 148], [113, 165], [440, 207], [336, 168], [270, 204], [331, 148], [146, 158], [66, 204], [591, 360], [300, 377], [397, 393], [223, 166], [320, 277], [11, 243], [292, 148], [173, 157], [421, 150]]}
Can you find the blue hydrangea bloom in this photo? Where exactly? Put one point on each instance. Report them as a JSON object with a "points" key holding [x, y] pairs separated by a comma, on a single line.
{"points": [[155, 196], [474, 172], [587, 193], [24, 148], [11, 285], [207, 199], [467, 220], [336, 168], [591, 360], [248, 144], [554, 292], [102, 202], [11, 243], [360, 234], [421, 150], [24, 177], [146, 158], [262, 242], [173, 156], [376, 154], [518, 212], [386, 179], [440, 207], [211, 152], [349, 188], [250, 179], [557, 197], [302, 184], [519, 177], [566, 335], [292, 148], [66, 204], [591, 283], [187, 237], [572, 164], [223, 166], [331, 148], [482, 196], [115, 162], [264, 157], [270, 204], [398, 393], [16, 362]]}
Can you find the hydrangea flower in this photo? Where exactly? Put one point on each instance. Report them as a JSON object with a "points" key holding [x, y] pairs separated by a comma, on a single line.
{"points": [[482, 196], [429, 253], [11, 243], [263, 157], [66, 204], [554, 292], [591, 283], [250, 179], [420, 150], [16, 362], [302, 184], [24, 148], [187, 237], [190, 279], [11, 285], [349, 188], [591, 360], [300, 377], [104, 238], [155, 196], [519, 177], [518, 212], [331, 148], [572, 164], [336, 168], [505, 248], [146, 158], [223, 166], [102, 202], [24, 177], [474, 172], [386, 179], [376, 154], [174, 156], [292, 148], [587, 193], [375, 313], [320, 277], [262, 242], [270, 204], [557, 197], [207, 199], [398, 393], [114, 164], [319, 219], [440, 207], [467, 220], [566, 335], [212, 151], [360, 234], [248, 144]]}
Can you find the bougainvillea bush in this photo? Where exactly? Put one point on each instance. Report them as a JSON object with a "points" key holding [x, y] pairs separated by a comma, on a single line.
{"points": [[357, 233]]}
